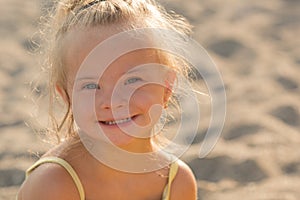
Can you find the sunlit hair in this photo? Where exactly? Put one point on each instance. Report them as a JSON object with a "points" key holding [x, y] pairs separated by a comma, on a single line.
{"points": [[66, 15]]}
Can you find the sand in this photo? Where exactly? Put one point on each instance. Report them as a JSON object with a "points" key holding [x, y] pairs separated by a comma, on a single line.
{"points": [[256, 47]]}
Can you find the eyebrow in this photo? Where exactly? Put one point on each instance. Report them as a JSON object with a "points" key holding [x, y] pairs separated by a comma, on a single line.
{"points": [[133, 70], [96, 78], [86, 78]]}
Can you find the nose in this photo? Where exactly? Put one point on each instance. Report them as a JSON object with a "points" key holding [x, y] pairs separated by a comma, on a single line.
{"points": [[109, 99]]}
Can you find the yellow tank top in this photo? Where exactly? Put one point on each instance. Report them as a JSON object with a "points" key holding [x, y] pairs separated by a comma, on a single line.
{"points": [[166, 194]]}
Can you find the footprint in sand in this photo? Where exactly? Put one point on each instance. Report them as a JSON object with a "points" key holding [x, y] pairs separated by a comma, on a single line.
{"points": [[241, 130], [223, 167], [226, 47], [288, 114], [291, 168], [287, 83], [11, 177]]}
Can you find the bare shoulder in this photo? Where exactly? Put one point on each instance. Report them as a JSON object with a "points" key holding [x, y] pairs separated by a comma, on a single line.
{"points": [[184, 186], [48, 181]]}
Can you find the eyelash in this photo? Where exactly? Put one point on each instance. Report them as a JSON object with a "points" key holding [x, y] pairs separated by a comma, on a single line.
{"points": [[96, 86], [87, 86], [129, 81]]}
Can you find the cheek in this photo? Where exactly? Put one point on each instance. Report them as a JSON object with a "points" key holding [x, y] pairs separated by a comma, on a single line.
{"points": [[83, 109], [145, 98], [85, 116]]}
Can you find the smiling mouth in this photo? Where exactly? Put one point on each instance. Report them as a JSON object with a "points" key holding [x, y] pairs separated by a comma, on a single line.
{"points": [[114, 122]]}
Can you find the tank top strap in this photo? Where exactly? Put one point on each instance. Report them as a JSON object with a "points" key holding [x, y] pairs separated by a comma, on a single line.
{"points": [[172, 174], [66, 166]]}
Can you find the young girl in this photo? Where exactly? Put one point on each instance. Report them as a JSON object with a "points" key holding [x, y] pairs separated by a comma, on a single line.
{"points": [[114, 103]]}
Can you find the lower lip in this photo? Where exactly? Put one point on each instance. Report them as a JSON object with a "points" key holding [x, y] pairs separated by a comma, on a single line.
{"points": [[119, 124]]}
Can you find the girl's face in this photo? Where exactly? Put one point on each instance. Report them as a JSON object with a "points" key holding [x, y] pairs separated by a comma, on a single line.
{"points": [[125, 102]]}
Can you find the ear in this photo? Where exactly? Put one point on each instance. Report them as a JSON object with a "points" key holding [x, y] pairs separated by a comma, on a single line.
{"points": [[61, 92], [169, 82]]}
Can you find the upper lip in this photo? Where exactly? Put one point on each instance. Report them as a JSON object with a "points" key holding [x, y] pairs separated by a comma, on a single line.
{"points": [[118, 119]]}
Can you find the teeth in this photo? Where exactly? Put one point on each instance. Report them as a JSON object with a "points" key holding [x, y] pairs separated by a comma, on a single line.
{"points": [[117, 121]]}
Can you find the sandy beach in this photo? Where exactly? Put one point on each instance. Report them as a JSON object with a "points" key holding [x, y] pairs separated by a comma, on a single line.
{"points": [[256, 47]]}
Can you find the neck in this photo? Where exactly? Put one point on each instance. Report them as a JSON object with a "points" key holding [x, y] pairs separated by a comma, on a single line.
{"points": [[138, 146], [109, 165]]}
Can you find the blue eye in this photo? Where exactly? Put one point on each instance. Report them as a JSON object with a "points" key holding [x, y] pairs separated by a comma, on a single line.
{"points": [[91, 86], [132, 80]]}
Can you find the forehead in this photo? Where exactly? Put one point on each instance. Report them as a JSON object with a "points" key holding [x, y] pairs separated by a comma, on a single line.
{"points": [[80, 52], [77, 44]]}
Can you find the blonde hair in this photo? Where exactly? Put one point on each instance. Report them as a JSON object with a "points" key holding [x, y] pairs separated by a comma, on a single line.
{"points": [[66, 15]]}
